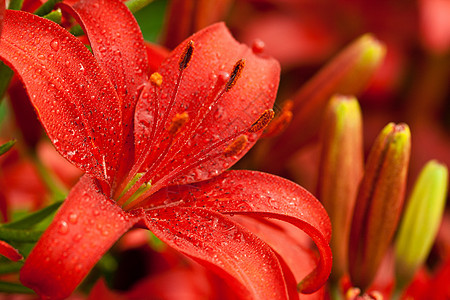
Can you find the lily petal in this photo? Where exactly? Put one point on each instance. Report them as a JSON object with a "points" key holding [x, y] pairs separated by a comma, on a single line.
{"points": [[216, 240], [214, 117], [2, 13], [263, 195], [118, 48], [9, 251], [86, 226], [72, 95]]}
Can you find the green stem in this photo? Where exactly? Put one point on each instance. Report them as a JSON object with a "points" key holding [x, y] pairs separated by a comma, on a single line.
{"points": [[19, 235], [136, 5], [10, 287], [46, 8]]}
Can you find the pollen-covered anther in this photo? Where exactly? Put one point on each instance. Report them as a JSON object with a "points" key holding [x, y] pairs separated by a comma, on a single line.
{"points": [[156, 79], [186, 56], [177, 123], [262, 121], [236, 146], [235, 74], [279, 124]]}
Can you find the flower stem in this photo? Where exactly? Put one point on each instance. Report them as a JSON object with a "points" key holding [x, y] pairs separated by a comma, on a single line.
{"points": [[53, 184]]}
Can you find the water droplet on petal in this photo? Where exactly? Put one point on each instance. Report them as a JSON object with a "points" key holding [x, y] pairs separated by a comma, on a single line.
{"points": [[73, 218], [63, 228], [54, 44], [77, 237]]}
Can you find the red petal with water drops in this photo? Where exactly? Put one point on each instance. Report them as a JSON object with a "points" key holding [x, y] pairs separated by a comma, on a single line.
{"points": [[72, 95], [263, 195], [85, 227], [9, 251], [196, 151], [2, 13], [291, 248], [223, 245], [118, 46]]}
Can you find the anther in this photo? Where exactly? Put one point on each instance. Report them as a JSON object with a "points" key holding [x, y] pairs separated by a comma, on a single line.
{"points": [[236, 146], [281, 122], [235, 74], [156, 79], [178, 121], [186, 56], [262, 121]]}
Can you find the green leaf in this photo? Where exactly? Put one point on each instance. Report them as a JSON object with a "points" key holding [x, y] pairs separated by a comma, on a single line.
{"points": [[5, 78], [6, 146], [19, 235], [135, 5], [151, 19], [34, 218], [10, 267], [54, 16], [46, 8], [10, 287]]}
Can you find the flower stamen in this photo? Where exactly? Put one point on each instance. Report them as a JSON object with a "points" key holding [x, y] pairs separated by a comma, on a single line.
{"points": [[236, 146], [177, 123]]}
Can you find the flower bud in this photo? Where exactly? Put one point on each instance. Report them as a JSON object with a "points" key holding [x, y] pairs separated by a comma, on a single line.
{"points": [[379, 203], [421, 221], [348, 73], [341, 168]]}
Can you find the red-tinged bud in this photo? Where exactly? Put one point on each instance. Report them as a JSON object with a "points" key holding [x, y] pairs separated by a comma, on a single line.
{"points": [[341, 169], [348, 74], [355, 294], [379, 203]]}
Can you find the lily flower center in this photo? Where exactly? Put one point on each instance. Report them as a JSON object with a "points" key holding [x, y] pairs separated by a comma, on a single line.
{"points": [[150, 172]]}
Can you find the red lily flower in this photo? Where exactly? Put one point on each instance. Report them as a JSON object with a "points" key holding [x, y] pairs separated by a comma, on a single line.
{"points": [[153, 150]]}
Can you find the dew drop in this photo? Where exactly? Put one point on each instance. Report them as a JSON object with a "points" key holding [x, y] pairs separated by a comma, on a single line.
{"points": [[77, 237], [274, 203], [54, 44], [63, 228], [73, 218], [258, 46]]}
